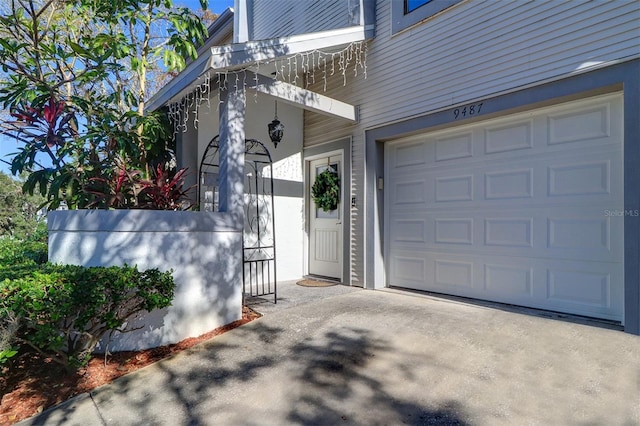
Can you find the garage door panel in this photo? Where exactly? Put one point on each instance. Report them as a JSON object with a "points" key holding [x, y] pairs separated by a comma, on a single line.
{"points": [[511, 280], [567, 234], [599, 242], [454, 147], [580, 124], [410, 230], [568, 133], [511, 232], [514, 183], [580, 233], [454, 188], [409, 156], [584, 289], [521, 209], [409, 192], [514, 136], [408, 269], [580, 178], [453, 231], [587, 289], [580, 287]]}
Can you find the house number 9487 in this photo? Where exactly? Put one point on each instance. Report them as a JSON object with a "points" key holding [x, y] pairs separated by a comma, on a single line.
{"points": [[467, 111]]}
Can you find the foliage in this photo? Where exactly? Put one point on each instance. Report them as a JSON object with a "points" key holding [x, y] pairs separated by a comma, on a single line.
{"points": [[126, 190], [164, 192], [15, 252], [20, 214], [77, 75], [72, 159], [65, 310], [326, 190], [31, 250], [6, 354], [113, 192]]}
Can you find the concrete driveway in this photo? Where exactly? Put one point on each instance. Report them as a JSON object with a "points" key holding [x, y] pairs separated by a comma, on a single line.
{"points": [[350, 356]]}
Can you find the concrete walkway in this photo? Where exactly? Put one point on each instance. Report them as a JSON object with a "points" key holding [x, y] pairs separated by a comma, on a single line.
{"points": [[348, 356]]}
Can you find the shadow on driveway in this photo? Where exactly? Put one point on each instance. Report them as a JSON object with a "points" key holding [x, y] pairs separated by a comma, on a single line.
{"points": [[381, 358]]}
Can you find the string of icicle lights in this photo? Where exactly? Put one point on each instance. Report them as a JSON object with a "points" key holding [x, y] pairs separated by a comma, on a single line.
{"points": [[316, 66]]}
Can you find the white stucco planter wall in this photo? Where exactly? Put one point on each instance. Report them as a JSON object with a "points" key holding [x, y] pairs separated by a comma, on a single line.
{"points": [[203, 249]]}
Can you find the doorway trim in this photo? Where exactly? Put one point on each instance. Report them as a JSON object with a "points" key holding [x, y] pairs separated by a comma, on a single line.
{"points": [[340, 147]]}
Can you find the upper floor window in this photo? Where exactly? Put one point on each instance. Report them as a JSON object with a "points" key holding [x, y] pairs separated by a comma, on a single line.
{"points": [[405, 13], [411, 5]]}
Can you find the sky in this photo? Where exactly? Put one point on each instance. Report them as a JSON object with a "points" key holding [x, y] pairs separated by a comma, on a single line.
{"points": [[216, 6], [9, 146]]}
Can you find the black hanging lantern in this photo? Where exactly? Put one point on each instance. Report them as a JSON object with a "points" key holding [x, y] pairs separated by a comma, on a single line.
{"points": [[276, 129]]}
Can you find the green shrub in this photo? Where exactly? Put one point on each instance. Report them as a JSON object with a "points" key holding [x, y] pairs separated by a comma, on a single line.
{"points": [[32, 249], [65, 310]]}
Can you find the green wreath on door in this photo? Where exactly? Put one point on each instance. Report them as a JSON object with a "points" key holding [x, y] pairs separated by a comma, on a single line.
{"points": [[326, 190]]}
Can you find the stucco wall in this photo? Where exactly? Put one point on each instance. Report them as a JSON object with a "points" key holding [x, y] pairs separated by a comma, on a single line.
{"points": [[203, 249], [287, 170]]}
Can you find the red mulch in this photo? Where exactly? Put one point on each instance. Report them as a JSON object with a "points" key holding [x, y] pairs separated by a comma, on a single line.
{"points": [[33, 383]]}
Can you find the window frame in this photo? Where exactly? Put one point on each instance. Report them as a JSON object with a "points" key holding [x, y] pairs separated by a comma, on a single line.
{"points": [[406, 5], [400, 20]]}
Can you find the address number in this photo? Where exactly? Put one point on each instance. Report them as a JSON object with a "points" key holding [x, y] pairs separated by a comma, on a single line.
{"points": [[467, 111]]}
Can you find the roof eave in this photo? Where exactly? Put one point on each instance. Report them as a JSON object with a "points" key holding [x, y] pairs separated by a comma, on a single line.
{"points": [[241, 55], [219, 29]]}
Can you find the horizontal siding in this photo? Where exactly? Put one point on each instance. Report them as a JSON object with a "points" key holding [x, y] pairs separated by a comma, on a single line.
{"points": [[512, 44], [470, 51], [321, 128], [282, 18]]}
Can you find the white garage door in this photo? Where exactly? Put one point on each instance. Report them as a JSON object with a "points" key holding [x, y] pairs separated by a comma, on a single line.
{"points": [[526, 209]]}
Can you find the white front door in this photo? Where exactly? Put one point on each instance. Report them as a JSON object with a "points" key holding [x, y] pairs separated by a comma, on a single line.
{"points": [[325, 227]]}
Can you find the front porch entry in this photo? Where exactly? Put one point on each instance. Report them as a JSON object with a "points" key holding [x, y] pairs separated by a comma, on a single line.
{"points": [[325, 227], [258, 243]]}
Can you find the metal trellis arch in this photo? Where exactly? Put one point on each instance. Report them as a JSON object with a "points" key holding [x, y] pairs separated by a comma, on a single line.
{"points": [[258, 242]]}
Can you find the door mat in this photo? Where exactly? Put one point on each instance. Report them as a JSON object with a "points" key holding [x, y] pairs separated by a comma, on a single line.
{"points": [[315, 283]]}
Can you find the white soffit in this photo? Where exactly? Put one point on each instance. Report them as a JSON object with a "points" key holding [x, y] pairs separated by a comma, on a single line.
{"points": [[233, 56], [306, 99], [244, 55]]}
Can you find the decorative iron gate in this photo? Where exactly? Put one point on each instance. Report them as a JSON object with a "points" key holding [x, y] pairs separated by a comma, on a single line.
{"points": [[259, 241]]}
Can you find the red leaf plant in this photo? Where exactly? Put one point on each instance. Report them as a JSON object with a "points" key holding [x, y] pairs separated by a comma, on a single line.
{"points": [[125, 190], [164, 192], [117, 192], [48, 124]]}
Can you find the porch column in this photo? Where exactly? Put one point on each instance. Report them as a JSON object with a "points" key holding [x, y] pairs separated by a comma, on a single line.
{"points": [[232, 136]]}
